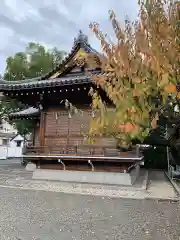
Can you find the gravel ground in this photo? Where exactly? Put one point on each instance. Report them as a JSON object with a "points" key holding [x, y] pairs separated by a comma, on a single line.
{"points": [[40, 215]]}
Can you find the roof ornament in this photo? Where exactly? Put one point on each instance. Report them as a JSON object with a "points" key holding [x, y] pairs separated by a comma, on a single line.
{"points": [[81, 38]]}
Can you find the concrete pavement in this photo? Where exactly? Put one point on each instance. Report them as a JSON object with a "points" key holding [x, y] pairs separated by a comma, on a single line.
{"points": [[42, 215], [43, 210]]}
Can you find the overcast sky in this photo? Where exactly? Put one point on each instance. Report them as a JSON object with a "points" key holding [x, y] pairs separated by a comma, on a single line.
{"points": [[54, 22]]}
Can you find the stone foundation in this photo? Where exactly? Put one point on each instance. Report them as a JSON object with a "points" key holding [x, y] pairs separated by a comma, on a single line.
{"points": [[88, 177], [30, 167]]}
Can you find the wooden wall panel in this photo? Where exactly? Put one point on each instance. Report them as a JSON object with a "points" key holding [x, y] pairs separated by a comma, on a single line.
{"points": [[56, 123], [56, 141], [76, 141], [79, 124], [62, 130]]}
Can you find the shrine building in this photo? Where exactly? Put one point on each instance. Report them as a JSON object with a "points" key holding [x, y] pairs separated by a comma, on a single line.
{"points": [[59, 143]]}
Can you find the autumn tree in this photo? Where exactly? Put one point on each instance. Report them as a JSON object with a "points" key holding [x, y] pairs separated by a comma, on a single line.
{"points": [[141, 71], [35, 61]]}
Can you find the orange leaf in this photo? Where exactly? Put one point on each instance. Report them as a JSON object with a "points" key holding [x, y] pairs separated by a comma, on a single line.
{"points": [[170, 88], [137, 80], [121, 126], [135, 94], [128, 127]]}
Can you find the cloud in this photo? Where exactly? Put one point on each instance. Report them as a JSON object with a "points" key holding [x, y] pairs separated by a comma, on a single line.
{"points": [[55, 23]]}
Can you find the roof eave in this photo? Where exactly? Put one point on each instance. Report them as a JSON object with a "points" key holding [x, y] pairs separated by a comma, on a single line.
{"points": [[45, 84]]}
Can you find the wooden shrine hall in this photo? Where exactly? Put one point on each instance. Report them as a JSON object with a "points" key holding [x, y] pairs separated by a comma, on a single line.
{"points": [[59, 136]]}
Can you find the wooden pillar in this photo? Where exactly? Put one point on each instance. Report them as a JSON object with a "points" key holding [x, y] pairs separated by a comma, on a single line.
{"points": [[68, 131], [42, 129], [42, 123], [34, 134]]}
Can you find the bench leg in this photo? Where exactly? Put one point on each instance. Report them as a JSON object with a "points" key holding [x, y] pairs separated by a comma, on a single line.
{"points": [[64, 166], [38, 164], [92, 166]]}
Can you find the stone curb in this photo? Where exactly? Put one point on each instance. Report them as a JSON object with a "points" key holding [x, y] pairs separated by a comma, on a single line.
{"points": [[162, 199], [145, 182], [175, 186]]}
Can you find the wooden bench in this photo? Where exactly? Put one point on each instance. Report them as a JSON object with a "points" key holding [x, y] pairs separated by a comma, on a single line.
{"points": [[82, 158]]}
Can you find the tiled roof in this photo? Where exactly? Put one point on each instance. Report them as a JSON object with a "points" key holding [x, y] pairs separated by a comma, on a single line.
{"points": [[38, 83], [31, 111]]}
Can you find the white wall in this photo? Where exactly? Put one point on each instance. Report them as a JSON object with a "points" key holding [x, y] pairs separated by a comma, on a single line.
{"points": [[11, 150], [14, 152], [3, 152]]}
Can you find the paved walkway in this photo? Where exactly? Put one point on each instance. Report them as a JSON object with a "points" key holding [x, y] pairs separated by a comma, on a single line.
{"points": [[10, 162], [160, 186], [18, 177]]}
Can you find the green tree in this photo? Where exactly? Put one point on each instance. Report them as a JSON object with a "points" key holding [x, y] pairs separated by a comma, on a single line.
{"points": [[8, 106], [35, 61]]}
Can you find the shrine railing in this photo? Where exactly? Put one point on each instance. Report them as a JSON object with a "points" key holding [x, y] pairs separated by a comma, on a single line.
{"points": [[80, 150]]}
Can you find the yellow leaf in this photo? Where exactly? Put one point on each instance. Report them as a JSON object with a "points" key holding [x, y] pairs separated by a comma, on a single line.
{"points": [[165, 79], [110, 90], [154, 123], [178, 95]]}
